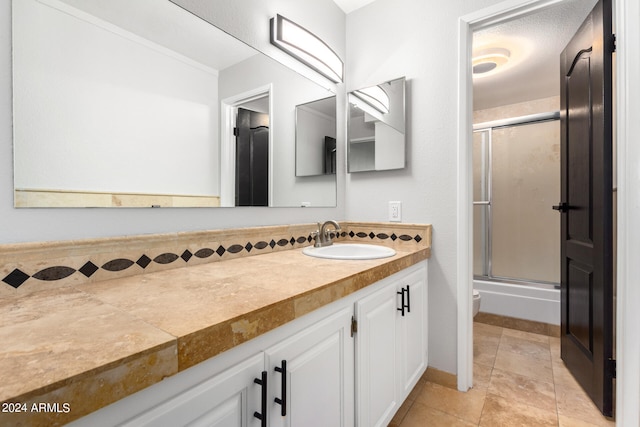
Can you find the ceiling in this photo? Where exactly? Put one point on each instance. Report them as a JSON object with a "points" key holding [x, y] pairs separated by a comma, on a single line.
{"points": [[535, 42], [349, 6]]}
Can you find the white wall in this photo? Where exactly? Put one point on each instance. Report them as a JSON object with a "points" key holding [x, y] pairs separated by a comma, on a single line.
{"points": [[388, 39], [251, 19]]}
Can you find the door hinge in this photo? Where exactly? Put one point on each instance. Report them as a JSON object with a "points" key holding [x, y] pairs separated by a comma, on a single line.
{"points": [[236, 132], [611, 367], [354, 325], [613, 43]]}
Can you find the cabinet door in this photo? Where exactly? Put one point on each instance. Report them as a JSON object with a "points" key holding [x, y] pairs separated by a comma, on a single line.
{"points": [[228, 399], [412, 355], [377, 341], [318, 379]]}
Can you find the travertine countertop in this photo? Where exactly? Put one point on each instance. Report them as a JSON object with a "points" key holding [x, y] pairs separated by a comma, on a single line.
{"points": [[90, 344]]}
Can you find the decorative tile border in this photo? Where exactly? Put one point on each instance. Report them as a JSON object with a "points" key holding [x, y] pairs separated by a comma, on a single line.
{"points": [[390, 234], [31, 267], [17, 277]]}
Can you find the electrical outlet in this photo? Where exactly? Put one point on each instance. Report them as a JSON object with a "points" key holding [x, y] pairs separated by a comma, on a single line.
{"points": [[395, 211]]}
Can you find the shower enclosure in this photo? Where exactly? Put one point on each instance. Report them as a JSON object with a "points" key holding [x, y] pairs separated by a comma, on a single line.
{"points": [[516, 172]]}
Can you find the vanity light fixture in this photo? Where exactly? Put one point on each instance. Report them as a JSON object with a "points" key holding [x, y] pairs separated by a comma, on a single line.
{"points": [[306, 47], [487, 60], [375, 96]]}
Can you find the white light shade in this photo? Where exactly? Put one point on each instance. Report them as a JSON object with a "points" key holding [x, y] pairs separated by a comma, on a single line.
{"points": [[374, 96], [486, 61], [306, 47]]}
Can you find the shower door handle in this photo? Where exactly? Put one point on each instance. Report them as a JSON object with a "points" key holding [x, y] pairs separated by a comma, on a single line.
{"points": [[562, 207]]}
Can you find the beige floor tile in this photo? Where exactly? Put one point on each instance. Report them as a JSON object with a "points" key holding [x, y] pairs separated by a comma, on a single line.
{"points": [[564, 421], [481, 376], [500, 412], [485, 350], [525, 335], [575, 403], [486, 330], [554, 347], [401, 414], [562, 376], [466, 406], [421, 415], [524, 365], [525, 390], [416, 390], [537, 349]]}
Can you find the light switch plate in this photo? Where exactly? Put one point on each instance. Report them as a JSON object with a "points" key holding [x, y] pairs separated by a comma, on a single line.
{"points": [[395, 211]]}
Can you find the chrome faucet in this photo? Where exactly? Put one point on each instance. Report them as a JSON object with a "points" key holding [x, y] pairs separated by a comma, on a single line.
{"points": [[323, 236]]}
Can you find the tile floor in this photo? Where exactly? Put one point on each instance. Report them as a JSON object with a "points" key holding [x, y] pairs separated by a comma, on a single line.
{"points": [[519, 380]]}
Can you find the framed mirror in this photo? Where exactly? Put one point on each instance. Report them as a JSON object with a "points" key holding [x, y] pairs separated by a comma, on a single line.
{"points": [[376, 134], [316, 137], [137, 104]]}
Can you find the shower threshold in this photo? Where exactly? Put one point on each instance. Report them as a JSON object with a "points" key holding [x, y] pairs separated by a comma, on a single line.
{"points": [[522, 282]]}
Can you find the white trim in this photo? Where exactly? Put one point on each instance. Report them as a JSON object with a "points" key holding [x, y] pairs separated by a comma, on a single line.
{"points": [[228, 112], [627, 16], [464, 205]]}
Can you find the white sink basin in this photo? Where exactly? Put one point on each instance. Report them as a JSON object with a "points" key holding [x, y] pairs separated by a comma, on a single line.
{"points": [[349, 251]]}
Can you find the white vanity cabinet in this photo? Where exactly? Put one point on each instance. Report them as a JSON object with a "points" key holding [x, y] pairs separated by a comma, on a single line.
{"points": [[391, 345], [311, 375], [228, 399]]}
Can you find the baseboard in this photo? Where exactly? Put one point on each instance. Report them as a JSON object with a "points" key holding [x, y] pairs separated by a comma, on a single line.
{"points": [[442, 378], [518, 324]]}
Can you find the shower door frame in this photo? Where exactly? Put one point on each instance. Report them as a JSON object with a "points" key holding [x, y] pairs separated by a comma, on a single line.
{"points": [[487, 243]]}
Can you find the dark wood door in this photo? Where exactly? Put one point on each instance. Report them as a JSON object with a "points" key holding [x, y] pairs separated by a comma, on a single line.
{"points": [[252, 158], [586, 191]]}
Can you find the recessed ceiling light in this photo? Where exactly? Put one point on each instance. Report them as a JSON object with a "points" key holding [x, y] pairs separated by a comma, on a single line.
{"points": [[488, 60]]}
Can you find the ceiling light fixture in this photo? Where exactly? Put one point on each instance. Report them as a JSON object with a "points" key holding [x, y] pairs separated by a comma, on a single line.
{"points": [[487, 60], [306, 47]]}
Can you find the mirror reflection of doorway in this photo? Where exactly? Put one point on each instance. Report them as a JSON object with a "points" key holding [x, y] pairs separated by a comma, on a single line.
{"points": [[252, 158]]}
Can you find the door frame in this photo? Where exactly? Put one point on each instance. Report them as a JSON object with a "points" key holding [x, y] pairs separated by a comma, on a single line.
{"points": [[228, 112], [627, 106]]}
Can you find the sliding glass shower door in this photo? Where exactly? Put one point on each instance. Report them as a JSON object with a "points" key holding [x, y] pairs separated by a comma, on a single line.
{"points": [[516, 181]]}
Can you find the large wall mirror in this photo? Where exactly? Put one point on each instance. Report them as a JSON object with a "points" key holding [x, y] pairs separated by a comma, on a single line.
{"points": [[376, 137], [141, 103]]}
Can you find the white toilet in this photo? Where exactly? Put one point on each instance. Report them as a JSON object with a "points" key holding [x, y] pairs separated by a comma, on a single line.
{"points": [[476, 302]]}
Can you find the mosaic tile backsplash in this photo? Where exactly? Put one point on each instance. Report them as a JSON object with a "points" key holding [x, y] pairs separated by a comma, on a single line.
{"points": [[31, 267]]}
